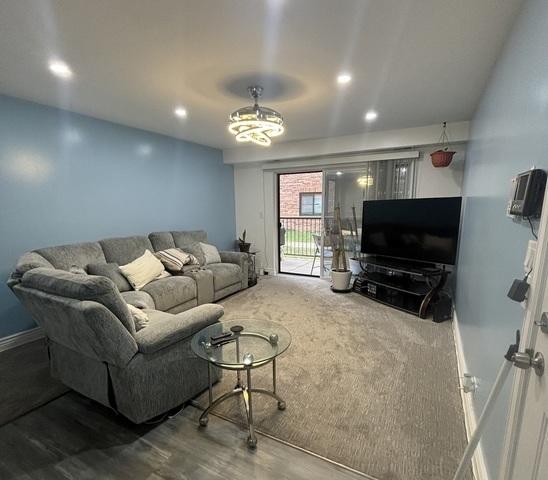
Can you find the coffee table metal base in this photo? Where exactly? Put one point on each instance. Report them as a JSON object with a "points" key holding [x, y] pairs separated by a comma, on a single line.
{"points": [[246, 391]]}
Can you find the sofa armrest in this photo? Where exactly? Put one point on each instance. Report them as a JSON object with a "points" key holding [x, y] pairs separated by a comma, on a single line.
{"points": [[170, 330], [241, 259], [204, 285], [26, 262]]}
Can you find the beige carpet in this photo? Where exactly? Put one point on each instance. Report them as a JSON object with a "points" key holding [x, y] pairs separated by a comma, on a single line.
{"points": [[366, 385]]}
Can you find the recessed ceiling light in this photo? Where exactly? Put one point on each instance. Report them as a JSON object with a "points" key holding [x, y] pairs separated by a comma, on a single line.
{"points": [[60, 69], [371, 116], [339, 173], [344, 78], [180, 112]]}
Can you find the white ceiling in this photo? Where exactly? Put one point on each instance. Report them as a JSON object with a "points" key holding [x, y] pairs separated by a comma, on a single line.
{"points": [[417, 62]]}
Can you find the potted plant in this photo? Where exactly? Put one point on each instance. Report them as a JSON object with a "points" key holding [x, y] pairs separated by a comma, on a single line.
{"points": [[340, 273], [442, 157], [244, 246]]}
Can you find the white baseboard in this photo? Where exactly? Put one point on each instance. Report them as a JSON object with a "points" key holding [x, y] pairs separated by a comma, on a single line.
{"points": [[478, 460], [20, 338]]}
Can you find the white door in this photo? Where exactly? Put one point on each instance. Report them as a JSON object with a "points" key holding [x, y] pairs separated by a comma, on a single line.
{"points": [[531, 461], [525, 454]]}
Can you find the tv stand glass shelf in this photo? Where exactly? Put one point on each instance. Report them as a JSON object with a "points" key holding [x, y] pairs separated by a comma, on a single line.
{"points": [[407, 286]]}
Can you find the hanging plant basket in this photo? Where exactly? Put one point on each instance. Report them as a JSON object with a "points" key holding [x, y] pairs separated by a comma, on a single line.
{"points": [[442, 157]]}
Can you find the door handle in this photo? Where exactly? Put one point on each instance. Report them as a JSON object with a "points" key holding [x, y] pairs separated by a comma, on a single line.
{"points": [[543, 322], [529, 359]]}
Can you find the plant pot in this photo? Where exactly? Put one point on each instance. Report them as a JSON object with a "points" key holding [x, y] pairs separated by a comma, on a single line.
{"points": [[340, 280], [441, 158], [244, 247]]}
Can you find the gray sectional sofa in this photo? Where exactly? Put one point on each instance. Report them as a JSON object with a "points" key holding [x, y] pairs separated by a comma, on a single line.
{"points": [[92, 342]]}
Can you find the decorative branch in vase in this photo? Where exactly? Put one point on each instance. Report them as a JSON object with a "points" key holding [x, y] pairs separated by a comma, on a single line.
{"points": [[340, 273]]}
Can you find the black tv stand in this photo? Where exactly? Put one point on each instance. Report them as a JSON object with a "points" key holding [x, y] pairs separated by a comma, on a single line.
{"points": [[404, 285]]}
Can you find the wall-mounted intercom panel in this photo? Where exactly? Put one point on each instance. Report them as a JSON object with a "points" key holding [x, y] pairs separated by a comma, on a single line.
{"points": [[528, 194]]}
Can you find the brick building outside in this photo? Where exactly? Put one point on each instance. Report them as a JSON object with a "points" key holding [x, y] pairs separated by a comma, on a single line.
{"points": [[292, 186], [300, 211]]}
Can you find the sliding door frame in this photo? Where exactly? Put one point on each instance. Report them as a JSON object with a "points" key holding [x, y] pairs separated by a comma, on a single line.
{"points": [[277, 216]]}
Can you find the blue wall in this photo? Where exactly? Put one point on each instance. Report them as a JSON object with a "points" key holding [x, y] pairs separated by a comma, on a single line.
{"points": [[509, 135], [68, 178]]}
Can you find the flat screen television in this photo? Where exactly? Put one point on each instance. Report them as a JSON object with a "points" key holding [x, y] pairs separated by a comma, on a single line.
{"points": [[419, 229]]}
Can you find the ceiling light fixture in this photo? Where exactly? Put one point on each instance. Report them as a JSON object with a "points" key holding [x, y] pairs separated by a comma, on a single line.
{"points": [[339, 173], [180, 112], [344, 78], [254, 123], [371, 116], [60, 69], [365, 181]]}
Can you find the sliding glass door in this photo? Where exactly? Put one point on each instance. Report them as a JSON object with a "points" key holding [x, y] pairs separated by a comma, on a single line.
{"points": [[300, 209], [306, 211], [347, 188]]}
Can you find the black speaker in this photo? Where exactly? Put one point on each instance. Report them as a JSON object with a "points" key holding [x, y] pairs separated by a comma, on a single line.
{"points": [[442, 309]]}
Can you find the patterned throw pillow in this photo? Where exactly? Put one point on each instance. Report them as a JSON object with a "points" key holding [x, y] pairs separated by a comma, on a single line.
{"points": [[173, 259], [142, 270]]}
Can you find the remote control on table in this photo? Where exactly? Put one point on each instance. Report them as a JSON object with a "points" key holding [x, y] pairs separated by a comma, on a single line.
{"points": [[222, 341], [221, 336]]}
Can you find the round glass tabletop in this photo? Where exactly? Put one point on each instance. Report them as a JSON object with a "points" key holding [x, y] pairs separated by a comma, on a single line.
{"points": [[241, 344]]}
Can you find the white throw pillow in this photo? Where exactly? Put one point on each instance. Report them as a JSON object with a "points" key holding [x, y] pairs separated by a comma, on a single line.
{"points": [[142, 270], [211, 253], [140, 318]]}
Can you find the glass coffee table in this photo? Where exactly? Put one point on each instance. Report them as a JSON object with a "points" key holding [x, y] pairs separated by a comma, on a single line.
{"points": [[241, 346]]}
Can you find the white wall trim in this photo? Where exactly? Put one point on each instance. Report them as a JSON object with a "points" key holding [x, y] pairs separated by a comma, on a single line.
{"points": [[338, 160], [347, 144], [470, 419], [18, 339]]}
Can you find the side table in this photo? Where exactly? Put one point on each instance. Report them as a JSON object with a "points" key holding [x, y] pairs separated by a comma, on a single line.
{"points": [[252, 268]]}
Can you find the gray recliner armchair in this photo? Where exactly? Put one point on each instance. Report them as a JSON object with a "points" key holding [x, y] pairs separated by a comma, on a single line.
{"points": [[95, 350]]}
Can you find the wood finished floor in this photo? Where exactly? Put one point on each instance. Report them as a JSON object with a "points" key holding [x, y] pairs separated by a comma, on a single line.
{"points": [[75, 438], [25, 382]]}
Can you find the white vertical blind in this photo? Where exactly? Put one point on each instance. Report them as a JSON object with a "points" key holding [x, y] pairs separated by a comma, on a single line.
{"points": [[348, 187]]}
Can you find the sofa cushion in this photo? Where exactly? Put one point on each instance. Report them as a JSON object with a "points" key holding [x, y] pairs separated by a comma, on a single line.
{"points": [[182, 238], [143, 270], [174, 259], [165, 329], [140, 318], [225, 274], [30, 260], [170, 292], [112, 271], [123, 250], [196, 251], [157, 315], [77, 270], [211, 254], [79, 254], [161, 240], [80, 287], [138, 299]]}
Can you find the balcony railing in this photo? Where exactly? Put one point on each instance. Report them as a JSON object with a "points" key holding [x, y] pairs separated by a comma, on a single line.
{"points": [[296, 235]]}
